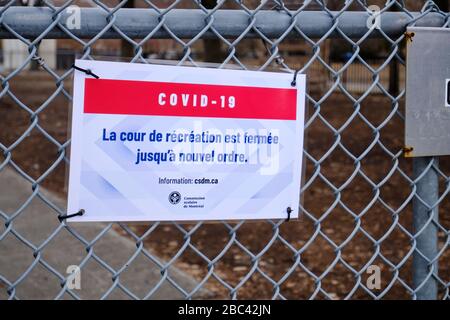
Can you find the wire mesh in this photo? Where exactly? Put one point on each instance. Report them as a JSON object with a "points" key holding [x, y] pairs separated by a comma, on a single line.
{"points": [[358, 193]]}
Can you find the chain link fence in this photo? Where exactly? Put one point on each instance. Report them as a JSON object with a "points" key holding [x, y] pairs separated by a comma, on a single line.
{"points": [[365, 207]]}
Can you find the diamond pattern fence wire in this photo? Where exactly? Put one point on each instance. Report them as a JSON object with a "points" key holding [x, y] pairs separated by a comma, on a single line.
{"points": [[364, 205]]}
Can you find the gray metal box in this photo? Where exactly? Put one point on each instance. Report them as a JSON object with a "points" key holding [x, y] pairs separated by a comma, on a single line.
{"points": [[427, 99]]}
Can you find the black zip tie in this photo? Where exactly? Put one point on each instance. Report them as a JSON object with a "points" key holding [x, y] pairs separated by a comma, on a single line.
{"points": [[87, 71], [66, 216], [294, 80], [288, 210]]}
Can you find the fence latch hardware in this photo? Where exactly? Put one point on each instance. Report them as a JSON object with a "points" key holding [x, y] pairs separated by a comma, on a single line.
{"points": [[407, 151], [409, 36]]}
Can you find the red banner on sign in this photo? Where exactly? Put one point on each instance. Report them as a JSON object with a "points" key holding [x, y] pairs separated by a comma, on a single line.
{"points": [[105, 96]]}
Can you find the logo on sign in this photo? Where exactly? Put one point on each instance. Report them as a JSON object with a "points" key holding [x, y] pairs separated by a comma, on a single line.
{"points": [[174, 197]]}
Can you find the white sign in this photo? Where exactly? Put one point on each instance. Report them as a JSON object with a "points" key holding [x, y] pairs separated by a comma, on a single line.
{"points": [[166, 143]]}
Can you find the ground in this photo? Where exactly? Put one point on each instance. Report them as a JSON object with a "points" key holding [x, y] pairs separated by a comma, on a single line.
{"points": [[358, 226]]}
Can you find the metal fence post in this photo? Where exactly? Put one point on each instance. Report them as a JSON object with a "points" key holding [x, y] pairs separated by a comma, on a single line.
{"points": [[427, 241], [340, 197]]}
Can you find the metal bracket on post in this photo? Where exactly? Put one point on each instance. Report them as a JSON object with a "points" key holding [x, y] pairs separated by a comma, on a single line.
{"points": [[425, 231]]}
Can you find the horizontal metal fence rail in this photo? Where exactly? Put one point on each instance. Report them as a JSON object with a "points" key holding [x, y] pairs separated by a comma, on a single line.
{"points": [[274, 23], [189, 23]]}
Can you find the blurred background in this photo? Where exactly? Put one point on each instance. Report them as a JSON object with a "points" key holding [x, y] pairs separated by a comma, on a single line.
{"points": [[357, 206]]}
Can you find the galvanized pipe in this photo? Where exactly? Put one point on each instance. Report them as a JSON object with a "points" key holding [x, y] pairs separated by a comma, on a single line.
{"points": [[425, 230], [31, 22]]}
